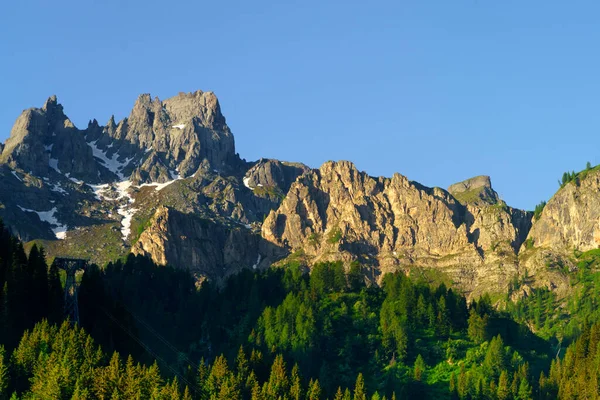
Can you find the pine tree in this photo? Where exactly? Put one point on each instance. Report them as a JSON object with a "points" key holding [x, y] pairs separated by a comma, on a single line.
{"points": [[356, 278], [241, 363], [219, 374], [82, 393], [4, 378], [339, 395], [359, 388], [131, 380], [421, 312], [114, 372], [478, 327], [452, 386], [503, 391], [201, 379], [152, 381], [462, 384], [347, 394], [173, 389], [495, 359], [186, 394], [55, 295], [38, 284], [295, 384], [443, 318], [525, 392], [5, 322], [401, 339], [257, 392], [278, 381], [514, 386], [419, 368], [314, 390]]}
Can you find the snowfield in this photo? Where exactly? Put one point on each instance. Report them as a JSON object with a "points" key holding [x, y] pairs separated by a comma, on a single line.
{"points": [[60, 231]]}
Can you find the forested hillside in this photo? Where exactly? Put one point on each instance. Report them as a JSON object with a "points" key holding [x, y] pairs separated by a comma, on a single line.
{"points": [[149, 332]]}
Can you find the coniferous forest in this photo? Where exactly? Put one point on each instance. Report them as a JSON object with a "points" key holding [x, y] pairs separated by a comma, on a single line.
{"points": [[148, 332]]}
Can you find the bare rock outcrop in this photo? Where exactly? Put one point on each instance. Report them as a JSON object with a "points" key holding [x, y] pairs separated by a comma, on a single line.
{"points": [[569, 224], [275, 174], [337, 212], [44, 142], [477, 190], [205, 248]]}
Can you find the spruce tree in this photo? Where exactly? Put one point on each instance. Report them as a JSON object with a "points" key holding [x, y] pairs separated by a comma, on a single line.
{"points": [[55, 295], [339, 395], [503, 391], [295, 384], [314, 390], [186, 394], [4, 378], [419, 368], [347, 394], [359, 388], [278, 385]]}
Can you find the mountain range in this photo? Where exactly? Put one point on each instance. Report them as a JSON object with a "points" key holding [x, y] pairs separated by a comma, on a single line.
{"points": [[166, 182]]}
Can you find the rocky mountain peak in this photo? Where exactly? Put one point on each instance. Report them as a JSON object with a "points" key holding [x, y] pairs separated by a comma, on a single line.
{"points": [[273, 177], [172, 137], [43, 141], [202, 107], [476, 190], [52, 104], [158, 142]]}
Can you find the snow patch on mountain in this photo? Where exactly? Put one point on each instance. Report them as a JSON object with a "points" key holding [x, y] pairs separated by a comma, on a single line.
{"points": [[246, 181], [60, 230], [111, 163], [257, 262], [53, 163], [56, 187], [16, 176], [175, 176], [99, 191], [127, 214]]}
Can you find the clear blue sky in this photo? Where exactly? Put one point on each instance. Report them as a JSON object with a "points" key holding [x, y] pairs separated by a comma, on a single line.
{"points": [[436, 90]]}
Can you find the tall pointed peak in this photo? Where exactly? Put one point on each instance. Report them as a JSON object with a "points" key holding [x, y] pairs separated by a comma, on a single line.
{"points": [[52, 108], [111, 122], [51, 103]]}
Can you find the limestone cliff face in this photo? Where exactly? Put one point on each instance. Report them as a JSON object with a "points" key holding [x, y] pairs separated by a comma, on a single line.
{"points": [[491, 222], [571, 219], [337, 212], [477, 190], [569, 222], [273, 174], [207, 249]]}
